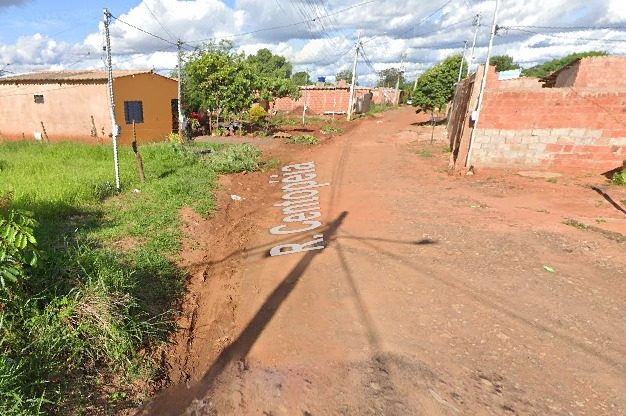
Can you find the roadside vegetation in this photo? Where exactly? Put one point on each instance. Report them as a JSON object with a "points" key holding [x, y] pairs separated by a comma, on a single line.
{"points": [[303, 139], [619, 178], [549, 67], [89, 279]]}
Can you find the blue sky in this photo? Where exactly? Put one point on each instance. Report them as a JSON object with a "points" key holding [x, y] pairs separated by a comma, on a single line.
{"points": [[65, 20], [58, 34]]}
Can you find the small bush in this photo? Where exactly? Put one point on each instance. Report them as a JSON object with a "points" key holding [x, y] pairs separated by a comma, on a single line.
{"points": [[103, 190], [424, 153], [303, 139], [172, 138], [619, 178], [257, 114]]}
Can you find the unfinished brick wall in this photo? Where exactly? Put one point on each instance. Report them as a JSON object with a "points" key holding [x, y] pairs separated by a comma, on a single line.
{"points": [[318, 100], [570, 127], [326, 99]]}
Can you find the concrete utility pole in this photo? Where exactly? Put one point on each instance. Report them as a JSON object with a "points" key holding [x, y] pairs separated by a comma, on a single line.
{"points": [[483, 84], [476, 26], [352, 85], [181, 127], [400, 72], [304, 106], [462, 60], [115, 129]]}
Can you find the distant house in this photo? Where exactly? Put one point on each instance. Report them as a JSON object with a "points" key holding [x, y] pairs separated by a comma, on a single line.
{"points": [[73, 105]]}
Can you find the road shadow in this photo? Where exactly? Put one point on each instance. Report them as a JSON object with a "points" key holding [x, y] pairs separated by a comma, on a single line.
{"points": [[610, 200], [499, 306], [176, 399]]}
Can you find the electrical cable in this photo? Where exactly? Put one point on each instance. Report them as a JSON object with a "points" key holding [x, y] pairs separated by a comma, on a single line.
{"points": [[282, 26], [621, 27], [552, 35], [145, 3], [144, 31]]}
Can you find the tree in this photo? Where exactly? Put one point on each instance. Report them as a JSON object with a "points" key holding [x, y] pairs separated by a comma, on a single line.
{"points": [[503, 63], [218, 79], [435, 87], [388, 77], [301, 78], [271, 65], [345, 74], [223, 82], [549, 67]]}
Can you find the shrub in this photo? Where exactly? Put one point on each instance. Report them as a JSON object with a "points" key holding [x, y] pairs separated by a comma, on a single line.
{"points": [[18, 248], [257, 114], [619, 178]]}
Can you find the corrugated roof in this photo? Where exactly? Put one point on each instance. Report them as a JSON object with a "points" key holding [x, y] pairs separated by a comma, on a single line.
{"points": [[84, 76]]}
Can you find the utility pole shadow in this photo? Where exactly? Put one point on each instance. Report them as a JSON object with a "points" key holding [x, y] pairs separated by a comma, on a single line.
{"points": [[176, 399]]}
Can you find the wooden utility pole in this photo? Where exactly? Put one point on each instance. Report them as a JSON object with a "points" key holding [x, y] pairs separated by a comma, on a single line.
{"points": [[181, 127], [483, 84], [353, 84], [142, 176], [115, 130]]}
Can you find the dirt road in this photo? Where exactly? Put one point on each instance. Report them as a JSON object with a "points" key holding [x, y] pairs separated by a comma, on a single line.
{"points": [[434, 295]]}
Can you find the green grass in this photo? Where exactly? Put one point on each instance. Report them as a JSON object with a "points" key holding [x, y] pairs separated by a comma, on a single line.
{"points": [[105, 293], [378, 108], [331, 130], [576, 224], [303, 139], [424, 153]]}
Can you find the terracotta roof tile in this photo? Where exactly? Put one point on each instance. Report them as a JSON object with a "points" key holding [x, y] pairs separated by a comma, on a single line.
{"points": [[68, 76]]}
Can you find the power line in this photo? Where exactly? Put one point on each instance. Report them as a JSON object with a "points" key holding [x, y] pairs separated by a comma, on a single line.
{"points": [[309, 20], [621, 27], [145, 3], [144, 31], [433, 13], [552, 35]]}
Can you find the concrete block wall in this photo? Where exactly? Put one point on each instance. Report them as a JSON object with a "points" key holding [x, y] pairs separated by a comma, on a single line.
{"points": [[551, 127], [543, 148]]}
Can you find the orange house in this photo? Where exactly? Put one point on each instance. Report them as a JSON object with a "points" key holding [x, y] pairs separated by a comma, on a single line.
{"points": [[74, 105]]}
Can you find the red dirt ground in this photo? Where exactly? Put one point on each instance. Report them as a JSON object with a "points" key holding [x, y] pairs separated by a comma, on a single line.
{"points": [[430, 298]]}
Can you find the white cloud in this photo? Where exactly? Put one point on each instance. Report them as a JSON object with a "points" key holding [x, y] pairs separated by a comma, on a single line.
{"points": [[389, 28], [7, 3]]}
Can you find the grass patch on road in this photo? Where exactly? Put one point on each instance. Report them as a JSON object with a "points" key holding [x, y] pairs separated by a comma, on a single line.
{"points": [[425, 153], [82, 336], [576, 224], [303, 139], [331, 130]]}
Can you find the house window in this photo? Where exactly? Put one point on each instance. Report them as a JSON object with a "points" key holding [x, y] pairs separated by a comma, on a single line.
{"points": [[38, 99], [133, 111]]}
